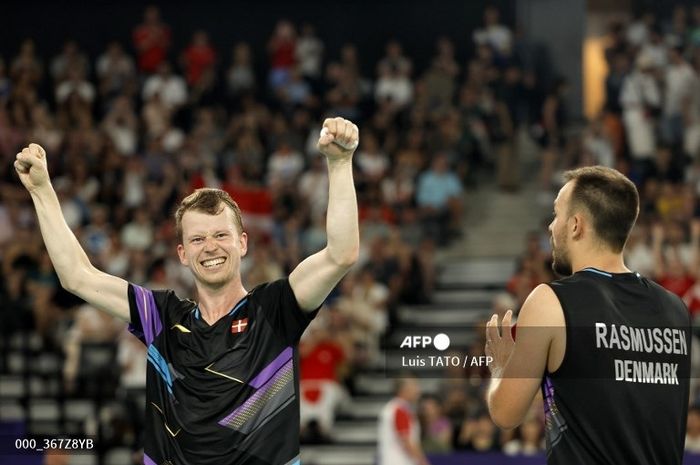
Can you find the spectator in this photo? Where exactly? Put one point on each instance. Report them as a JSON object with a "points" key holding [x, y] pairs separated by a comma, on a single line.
{"points": [[478, 434], [70, 59], [680, 81], [75, 84], [640, 99], [399, 430], [282, 50], [437, 432], [152, 41], [529, 438], [322, 368], [116, 73], [26, 64], [309, 54], [438, 197], [494, 34], [692, 435], [198, 58], [394, 59], [393, 88], [169, 87], [240, 78]]}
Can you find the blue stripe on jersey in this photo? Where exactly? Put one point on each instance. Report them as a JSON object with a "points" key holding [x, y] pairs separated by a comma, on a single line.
{"points": [[593, 270], [161, 366], [238, 305]]}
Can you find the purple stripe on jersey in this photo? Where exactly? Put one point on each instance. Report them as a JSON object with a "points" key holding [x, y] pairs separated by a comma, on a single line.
{"points": [[148, 312], [261, 397], [148, 461], [272, 368]]}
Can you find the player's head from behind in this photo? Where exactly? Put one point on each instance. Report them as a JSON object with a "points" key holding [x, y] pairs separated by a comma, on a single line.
{"points": [[211, 241], [593, 213]]}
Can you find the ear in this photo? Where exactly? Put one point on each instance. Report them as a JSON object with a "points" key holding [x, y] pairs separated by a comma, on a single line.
{"points": [[181, 254], [577, 226], [244, 244]]}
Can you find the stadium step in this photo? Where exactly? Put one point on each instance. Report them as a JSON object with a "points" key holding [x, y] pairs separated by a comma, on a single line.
{"points": [[338, 455]]}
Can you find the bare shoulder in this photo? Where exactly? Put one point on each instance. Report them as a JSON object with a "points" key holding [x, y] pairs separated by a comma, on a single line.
{"points": [[541, 308]]}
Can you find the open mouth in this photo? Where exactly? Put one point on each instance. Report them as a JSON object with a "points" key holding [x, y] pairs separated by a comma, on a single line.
{"points": [[213, 263]]}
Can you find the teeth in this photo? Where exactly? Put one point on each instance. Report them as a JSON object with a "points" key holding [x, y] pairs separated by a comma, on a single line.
{"points": [[213, 262]]}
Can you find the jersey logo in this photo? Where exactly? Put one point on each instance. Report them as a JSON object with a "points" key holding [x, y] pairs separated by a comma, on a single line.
{"points": [[238, 326]]}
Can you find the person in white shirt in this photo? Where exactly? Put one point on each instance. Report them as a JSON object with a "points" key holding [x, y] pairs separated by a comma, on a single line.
{"points": [[640, 95], [399, 431], [170, 87], [680, 84], [494, 34]]}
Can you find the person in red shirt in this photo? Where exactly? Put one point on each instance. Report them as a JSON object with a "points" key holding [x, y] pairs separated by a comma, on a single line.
{"points": [[151, 40], [671, 270], [198, 57], [282, 50], [322, 365]]}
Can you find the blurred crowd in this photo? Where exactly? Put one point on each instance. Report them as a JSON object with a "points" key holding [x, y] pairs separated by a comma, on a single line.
{"points": [[131, 131]]}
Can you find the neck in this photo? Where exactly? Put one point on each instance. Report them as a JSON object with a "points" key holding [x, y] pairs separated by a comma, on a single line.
{"points": [[215, 303], [606, 261]]}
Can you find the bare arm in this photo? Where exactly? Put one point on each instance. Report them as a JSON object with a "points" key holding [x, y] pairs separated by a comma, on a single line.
{"points": [[76, 273], [315, 277], [518, 366]]}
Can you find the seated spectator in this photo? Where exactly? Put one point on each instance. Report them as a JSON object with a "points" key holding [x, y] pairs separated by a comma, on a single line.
{"points": [[692, 435], [438, 196], [671, 270], [284, 165], [116, 72], [529, 438], [639, 255], [435, 427], [121, 125], [371, 160], [309, 54], [393, 88], [70, 59], [75, 83], [494, 34], [478, 434], [240, 77], [322, 367], [170, 87]]}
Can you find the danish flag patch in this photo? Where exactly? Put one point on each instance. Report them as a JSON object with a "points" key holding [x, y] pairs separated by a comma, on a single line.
{"points": [[238, 326]]}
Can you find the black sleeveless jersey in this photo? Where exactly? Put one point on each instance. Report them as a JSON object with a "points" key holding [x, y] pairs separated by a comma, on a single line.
{"points": [[225, 394], [621, 393]]}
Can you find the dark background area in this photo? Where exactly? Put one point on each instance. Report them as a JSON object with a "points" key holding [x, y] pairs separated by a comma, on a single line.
{"points": [[416, 23]]}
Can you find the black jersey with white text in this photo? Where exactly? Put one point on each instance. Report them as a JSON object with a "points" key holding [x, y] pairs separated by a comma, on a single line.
{"points": [[225, 394], [620, 395]]}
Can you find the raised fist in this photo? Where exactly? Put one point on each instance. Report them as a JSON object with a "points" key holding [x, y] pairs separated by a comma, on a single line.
{"points": [[31, 167], [339, 138]]}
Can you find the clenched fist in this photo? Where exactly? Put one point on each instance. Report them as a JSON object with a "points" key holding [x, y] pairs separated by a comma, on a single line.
{"points": [[339, 138], [31, 167]]}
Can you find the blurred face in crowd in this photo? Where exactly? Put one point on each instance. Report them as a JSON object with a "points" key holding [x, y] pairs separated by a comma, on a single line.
{"points": [[561, 260], [212, 247]]}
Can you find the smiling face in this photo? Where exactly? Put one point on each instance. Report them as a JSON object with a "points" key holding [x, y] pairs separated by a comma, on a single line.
{"points": [[212, 247]]}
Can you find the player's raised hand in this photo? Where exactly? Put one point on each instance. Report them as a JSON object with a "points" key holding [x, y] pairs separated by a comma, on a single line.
{"points": [[339, 138], [31, 167]]}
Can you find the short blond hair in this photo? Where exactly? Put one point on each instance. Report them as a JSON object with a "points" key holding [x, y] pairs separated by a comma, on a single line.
{"points": [[209, 201]]}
